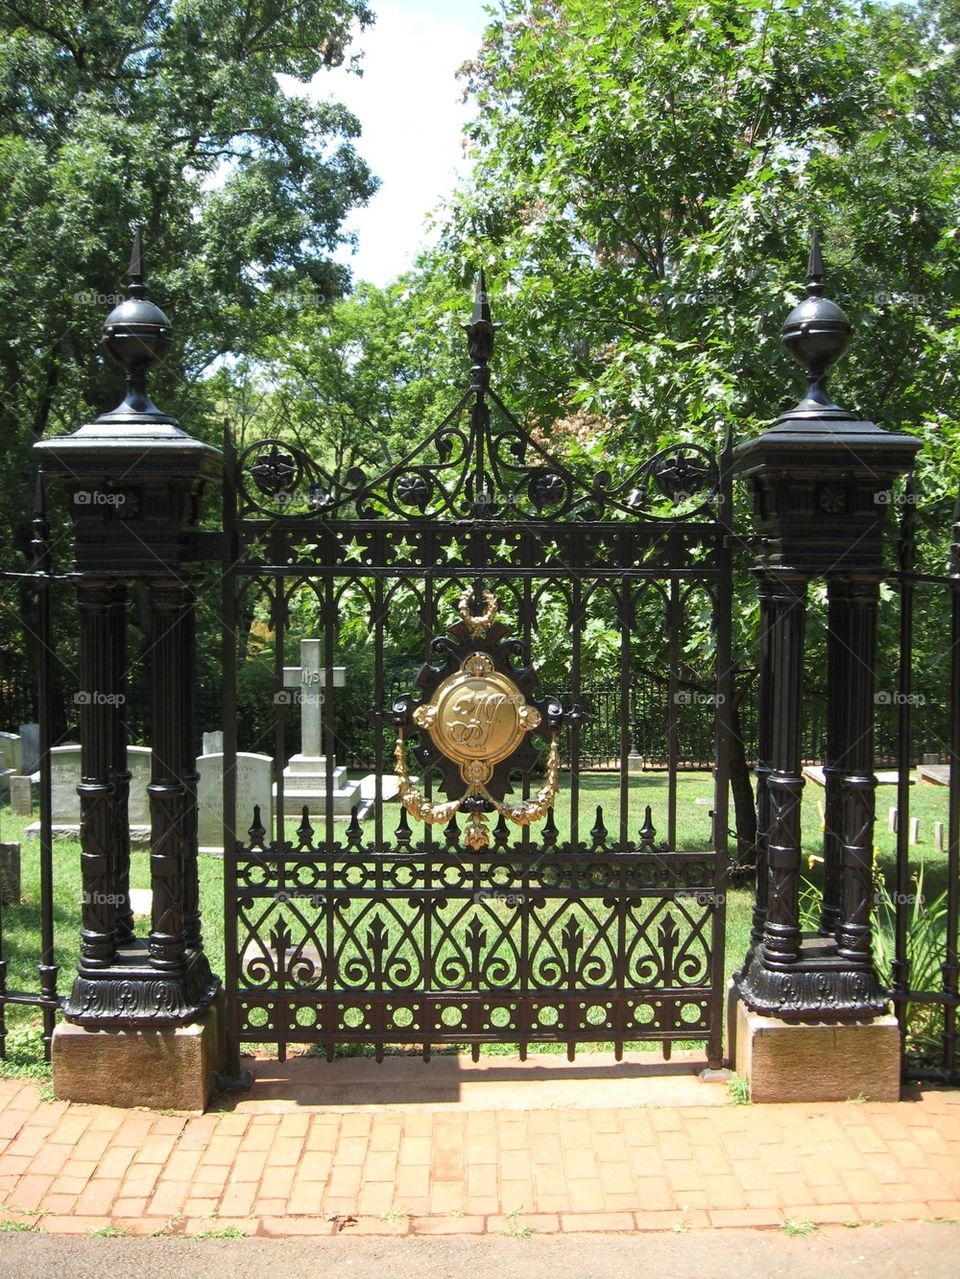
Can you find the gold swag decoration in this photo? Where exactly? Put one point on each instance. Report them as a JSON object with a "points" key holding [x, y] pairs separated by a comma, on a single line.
{"points": [[478, 832]]}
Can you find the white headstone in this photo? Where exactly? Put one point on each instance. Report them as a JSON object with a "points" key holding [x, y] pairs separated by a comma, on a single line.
{"points": [[65, 774], [12, 753], [139, 764], [213, 743], [64, 777], [254, 787]]}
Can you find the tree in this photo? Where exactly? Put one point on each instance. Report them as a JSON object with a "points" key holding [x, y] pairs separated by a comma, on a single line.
{"points": [[357, 381], [646, 176], [166, 114], [169, 116]]}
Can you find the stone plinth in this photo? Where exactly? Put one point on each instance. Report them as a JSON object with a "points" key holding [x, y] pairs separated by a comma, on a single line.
{"points": [[935, 774], [819, 1060], [305, 783], [173, 1068]]}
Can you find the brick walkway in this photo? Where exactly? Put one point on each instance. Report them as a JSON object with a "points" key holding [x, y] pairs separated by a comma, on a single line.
{"points": [[275, 1164]]}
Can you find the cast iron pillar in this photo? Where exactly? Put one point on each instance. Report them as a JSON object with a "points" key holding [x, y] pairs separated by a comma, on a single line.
{"points": [[821, 482], [765, 707], [838, 651], [135, 481]]}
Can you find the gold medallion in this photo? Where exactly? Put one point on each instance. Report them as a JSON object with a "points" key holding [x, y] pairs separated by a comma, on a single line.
{"points": [[477, 717]]}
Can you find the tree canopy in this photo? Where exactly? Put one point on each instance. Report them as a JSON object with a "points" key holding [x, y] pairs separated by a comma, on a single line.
{"points": [[646, 176], [167, 115]]}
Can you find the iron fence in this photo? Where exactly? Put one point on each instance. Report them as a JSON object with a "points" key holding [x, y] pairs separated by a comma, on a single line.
{"points": [[30, 600]]}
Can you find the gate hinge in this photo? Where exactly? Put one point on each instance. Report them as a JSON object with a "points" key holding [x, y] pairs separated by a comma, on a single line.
{"points": [[200, 544]]}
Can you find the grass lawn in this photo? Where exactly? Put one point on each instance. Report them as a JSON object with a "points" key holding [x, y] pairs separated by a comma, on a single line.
{"points": [[21, 923]]}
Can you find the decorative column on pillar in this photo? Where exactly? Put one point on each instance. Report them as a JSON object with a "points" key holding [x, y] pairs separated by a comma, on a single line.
{"points": [[134, 481], [780, 945], [857, 782], [837, 654], [820, 481], [99, 712], [123, 918], [764, 745]]}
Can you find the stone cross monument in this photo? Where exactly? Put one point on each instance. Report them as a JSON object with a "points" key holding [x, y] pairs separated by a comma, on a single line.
{"points": [[305, 777]]}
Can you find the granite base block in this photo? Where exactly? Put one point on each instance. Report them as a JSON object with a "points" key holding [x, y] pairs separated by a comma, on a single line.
{"points": [[169, 1068], [818, 1060]]}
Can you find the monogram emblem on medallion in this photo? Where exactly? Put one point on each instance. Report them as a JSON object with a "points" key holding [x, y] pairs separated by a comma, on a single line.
{"points": [[477, 716]]}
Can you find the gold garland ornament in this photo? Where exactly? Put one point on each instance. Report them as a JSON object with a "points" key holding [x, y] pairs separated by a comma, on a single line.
{"points": [[478, 833], [477, 625]]}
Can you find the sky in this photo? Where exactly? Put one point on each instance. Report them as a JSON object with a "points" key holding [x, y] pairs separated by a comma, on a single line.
{"points": [[408, 104]]}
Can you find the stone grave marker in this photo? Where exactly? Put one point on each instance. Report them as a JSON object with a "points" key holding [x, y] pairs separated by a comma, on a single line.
{"points": [[936, 774], [12, 753], [254, 786], [65, 802], [305, 776], [64, 778], [29, 748], [139, 764], [21, 796]]}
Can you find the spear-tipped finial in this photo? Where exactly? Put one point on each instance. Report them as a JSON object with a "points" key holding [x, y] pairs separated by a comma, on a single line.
{"points": [[481, 300], [136, 270], [480, 332], [136, 336], [815, 271]]}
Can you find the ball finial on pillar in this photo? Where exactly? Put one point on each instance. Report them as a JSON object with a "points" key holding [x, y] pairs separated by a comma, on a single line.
{"points": [[136, 336], [816, 333]]}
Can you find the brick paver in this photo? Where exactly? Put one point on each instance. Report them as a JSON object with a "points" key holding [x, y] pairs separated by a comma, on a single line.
{"points": [[417, 1168]]}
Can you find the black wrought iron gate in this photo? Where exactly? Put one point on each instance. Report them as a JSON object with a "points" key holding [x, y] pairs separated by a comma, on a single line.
{"points": [[349, 924]]}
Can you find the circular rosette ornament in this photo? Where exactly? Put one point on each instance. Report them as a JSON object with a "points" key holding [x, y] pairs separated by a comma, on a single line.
{"points": [[684, 475], [675, 483], [276, 470], [414, 489], [547, 490]]}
